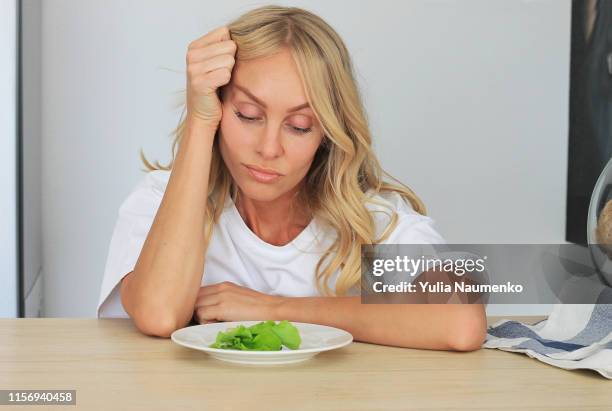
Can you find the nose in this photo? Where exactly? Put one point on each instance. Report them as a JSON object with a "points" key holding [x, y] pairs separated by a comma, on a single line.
{"points": [[269, 145]]}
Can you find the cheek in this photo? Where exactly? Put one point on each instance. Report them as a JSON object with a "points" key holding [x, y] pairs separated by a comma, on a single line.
{"points": [[300, 155], [227, 126], [233, 138]]}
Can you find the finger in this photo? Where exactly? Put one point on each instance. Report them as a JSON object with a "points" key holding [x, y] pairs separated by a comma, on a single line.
{"points": [[208, 313], [219, 34], [220, 77], [213, 289], [204, 53], [212, 299], [211, 64], [210, 82], [209, 321]]}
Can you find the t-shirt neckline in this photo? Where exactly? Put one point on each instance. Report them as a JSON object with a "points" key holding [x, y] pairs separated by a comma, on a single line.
{"points": [[241, 225]]}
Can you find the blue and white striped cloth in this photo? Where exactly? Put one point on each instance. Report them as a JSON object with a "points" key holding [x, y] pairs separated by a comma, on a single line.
{"points": [[574, 336]]}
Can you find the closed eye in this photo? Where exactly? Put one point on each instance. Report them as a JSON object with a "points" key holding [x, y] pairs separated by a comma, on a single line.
{"points": [[243, 117], [252, 119]]}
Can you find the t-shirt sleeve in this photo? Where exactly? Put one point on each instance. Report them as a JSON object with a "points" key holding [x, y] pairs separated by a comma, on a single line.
{"points": [[413, 235], [134, 220], [415, 230], [412, 227]]}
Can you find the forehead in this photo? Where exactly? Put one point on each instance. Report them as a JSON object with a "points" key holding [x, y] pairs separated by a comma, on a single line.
{"points": [[274, 79]]}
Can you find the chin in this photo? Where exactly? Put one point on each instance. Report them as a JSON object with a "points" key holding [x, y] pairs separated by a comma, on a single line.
{"points": [[259, 192]]}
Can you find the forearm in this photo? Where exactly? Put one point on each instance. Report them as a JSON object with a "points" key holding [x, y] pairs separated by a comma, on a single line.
{"points": [[428, 326], [167, 275]]}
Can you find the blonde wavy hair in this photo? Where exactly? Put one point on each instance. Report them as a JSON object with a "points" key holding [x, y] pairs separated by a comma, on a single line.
{"points": [[344, 168]]}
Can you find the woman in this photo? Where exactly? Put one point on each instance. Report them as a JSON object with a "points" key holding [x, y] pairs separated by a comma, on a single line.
{"points": [[272, 191]]}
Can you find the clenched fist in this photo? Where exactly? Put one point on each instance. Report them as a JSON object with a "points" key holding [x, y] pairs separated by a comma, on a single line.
{"points": [[210, 60]]}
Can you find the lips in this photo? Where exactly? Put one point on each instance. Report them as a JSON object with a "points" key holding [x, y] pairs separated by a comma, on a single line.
{"points": [[263, 170], [262, 176]]}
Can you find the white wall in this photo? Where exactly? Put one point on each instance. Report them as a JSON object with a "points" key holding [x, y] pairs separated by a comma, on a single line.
{"points": [[8, 166], [468, 102]]}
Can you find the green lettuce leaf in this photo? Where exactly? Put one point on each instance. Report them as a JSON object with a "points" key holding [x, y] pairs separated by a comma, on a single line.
{"points": [[263, 336]]}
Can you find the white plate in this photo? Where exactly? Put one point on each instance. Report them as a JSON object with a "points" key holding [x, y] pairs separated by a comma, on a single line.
{"points": [[315, 339]]}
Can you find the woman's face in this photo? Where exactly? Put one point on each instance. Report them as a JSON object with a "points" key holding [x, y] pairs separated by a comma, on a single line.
{"points": [[266, 123]]}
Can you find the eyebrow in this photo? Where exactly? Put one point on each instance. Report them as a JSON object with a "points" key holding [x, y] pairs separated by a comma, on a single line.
{"points": [[261, 103]]}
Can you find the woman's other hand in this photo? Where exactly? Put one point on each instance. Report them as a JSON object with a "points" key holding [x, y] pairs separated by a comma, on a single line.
{"points": [[228, 301]]}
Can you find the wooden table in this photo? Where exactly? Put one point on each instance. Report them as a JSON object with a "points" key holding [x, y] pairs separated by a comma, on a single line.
{"points": [[112, 366]]}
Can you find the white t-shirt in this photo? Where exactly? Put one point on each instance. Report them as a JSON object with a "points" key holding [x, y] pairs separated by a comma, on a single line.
{"points": [[237, 254]]}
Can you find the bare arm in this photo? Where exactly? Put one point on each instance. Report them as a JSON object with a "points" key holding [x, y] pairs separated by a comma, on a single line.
{"points": [[460, 324], [460, 327], [160, 293], [455, 325]]}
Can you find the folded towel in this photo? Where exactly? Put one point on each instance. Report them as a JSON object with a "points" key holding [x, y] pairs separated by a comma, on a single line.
{"points": [[574, 336]]}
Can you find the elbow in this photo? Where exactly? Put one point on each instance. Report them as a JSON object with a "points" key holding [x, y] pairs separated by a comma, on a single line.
{"points": [[148, 320], [155, 328], [156, 321], [470, 331]]}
